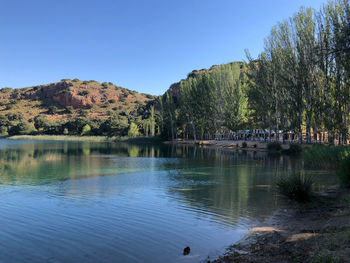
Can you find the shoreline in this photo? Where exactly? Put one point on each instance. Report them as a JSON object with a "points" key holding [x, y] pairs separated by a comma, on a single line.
{"points": [[61, 138], [233, 144], [315, 232]]}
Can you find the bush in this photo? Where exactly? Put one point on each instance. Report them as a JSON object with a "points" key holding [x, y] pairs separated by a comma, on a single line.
{"points": [[75, 80], [5, 90], [86, 129], [9, 106], [83, 93], [69, 109], [293, 149], [104, 85], [52, 110], [296, 187], [343, 171], [325, 156], [112, 101], [244, 145], [274, 146], [65, 131]]}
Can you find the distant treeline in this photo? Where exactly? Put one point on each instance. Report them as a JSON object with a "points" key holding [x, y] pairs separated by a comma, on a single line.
{"points": [[115, 125], [300, 83]]}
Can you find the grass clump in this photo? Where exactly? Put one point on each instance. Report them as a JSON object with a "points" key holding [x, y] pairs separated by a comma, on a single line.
{"points": [[274, 146], [296, 187]]}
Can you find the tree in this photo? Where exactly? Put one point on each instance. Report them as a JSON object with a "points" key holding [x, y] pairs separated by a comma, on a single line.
{"points": [[86, 129], [133, 130]]}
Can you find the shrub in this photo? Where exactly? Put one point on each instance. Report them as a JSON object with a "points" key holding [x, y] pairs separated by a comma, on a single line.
{"points": [[69, 109], [244, 145], [343, 171], [104, 85], [9, 106], [52, 110], [296, 187], [86, 129], [293, 149], [89, 106], [83, 92], [75, 80], [5, 90], [19, 129], [325, 156], [254, 145], [65, 131], [274, 146], [112, 101]]}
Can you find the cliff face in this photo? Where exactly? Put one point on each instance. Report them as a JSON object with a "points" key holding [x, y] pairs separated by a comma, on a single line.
{"points": [[95, 98]]}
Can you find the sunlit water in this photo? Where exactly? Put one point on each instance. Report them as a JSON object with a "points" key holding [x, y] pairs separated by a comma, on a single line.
{"points": [[99, 202]]}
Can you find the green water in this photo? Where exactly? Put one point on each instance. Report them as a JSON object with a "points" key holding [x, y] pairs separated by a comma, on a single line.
{"points": [[100, 202]]}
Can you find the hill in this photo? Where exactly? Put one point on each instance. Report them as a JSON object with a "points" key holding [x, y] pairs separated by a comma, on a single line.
{"points": [[67, 100]]}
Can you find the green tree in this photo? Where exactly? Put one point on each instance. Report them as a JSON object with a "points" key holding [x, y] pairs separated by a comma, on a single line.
{"points": [[133, 130]]}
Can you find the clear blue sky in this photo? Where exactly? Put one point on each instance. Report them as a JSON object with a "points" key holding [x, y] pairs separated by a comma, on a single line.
{"points": [[143, 45]]}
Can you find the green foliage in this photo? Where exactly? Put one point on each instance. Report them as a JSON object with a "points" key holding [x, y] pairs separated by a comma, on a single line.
{"points": [[86, 129], [5, 90], [20, 128], [296, 187], [325, 156], [274, 146], [69, 109], [52, 110], [83, 92], [133, 130], [75, 80], [293, 149], [343, 171], [9, 107], [112, 101], [115, 125]]}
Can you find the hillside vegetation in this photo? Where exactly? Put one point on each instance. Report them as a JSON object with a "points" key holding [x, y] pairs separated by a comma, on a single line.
{"points": [[73, 107]]}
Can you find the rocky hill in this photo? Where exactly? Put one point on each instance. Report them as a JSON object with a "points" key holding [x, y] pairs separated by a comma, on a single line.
{"points": [[70, 99]]}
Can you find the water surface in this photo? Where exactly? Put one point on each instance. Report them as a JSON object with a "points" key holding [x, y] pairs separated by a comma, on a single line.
{"points": [[102, 202]]}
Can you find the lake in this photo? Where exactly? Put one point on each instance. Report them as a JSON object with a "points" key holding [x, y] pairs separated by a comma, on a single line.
{"points": [[105, 202]]}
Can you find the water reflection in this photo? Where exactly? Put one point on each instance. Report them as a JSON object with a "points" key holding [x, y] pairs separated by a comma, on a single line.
{"points": [[68, 201]]}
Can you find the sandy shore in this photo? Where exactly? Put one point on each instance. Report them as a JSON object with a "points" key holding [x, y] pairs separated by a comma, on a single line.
{"points": [[316, 232]]}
